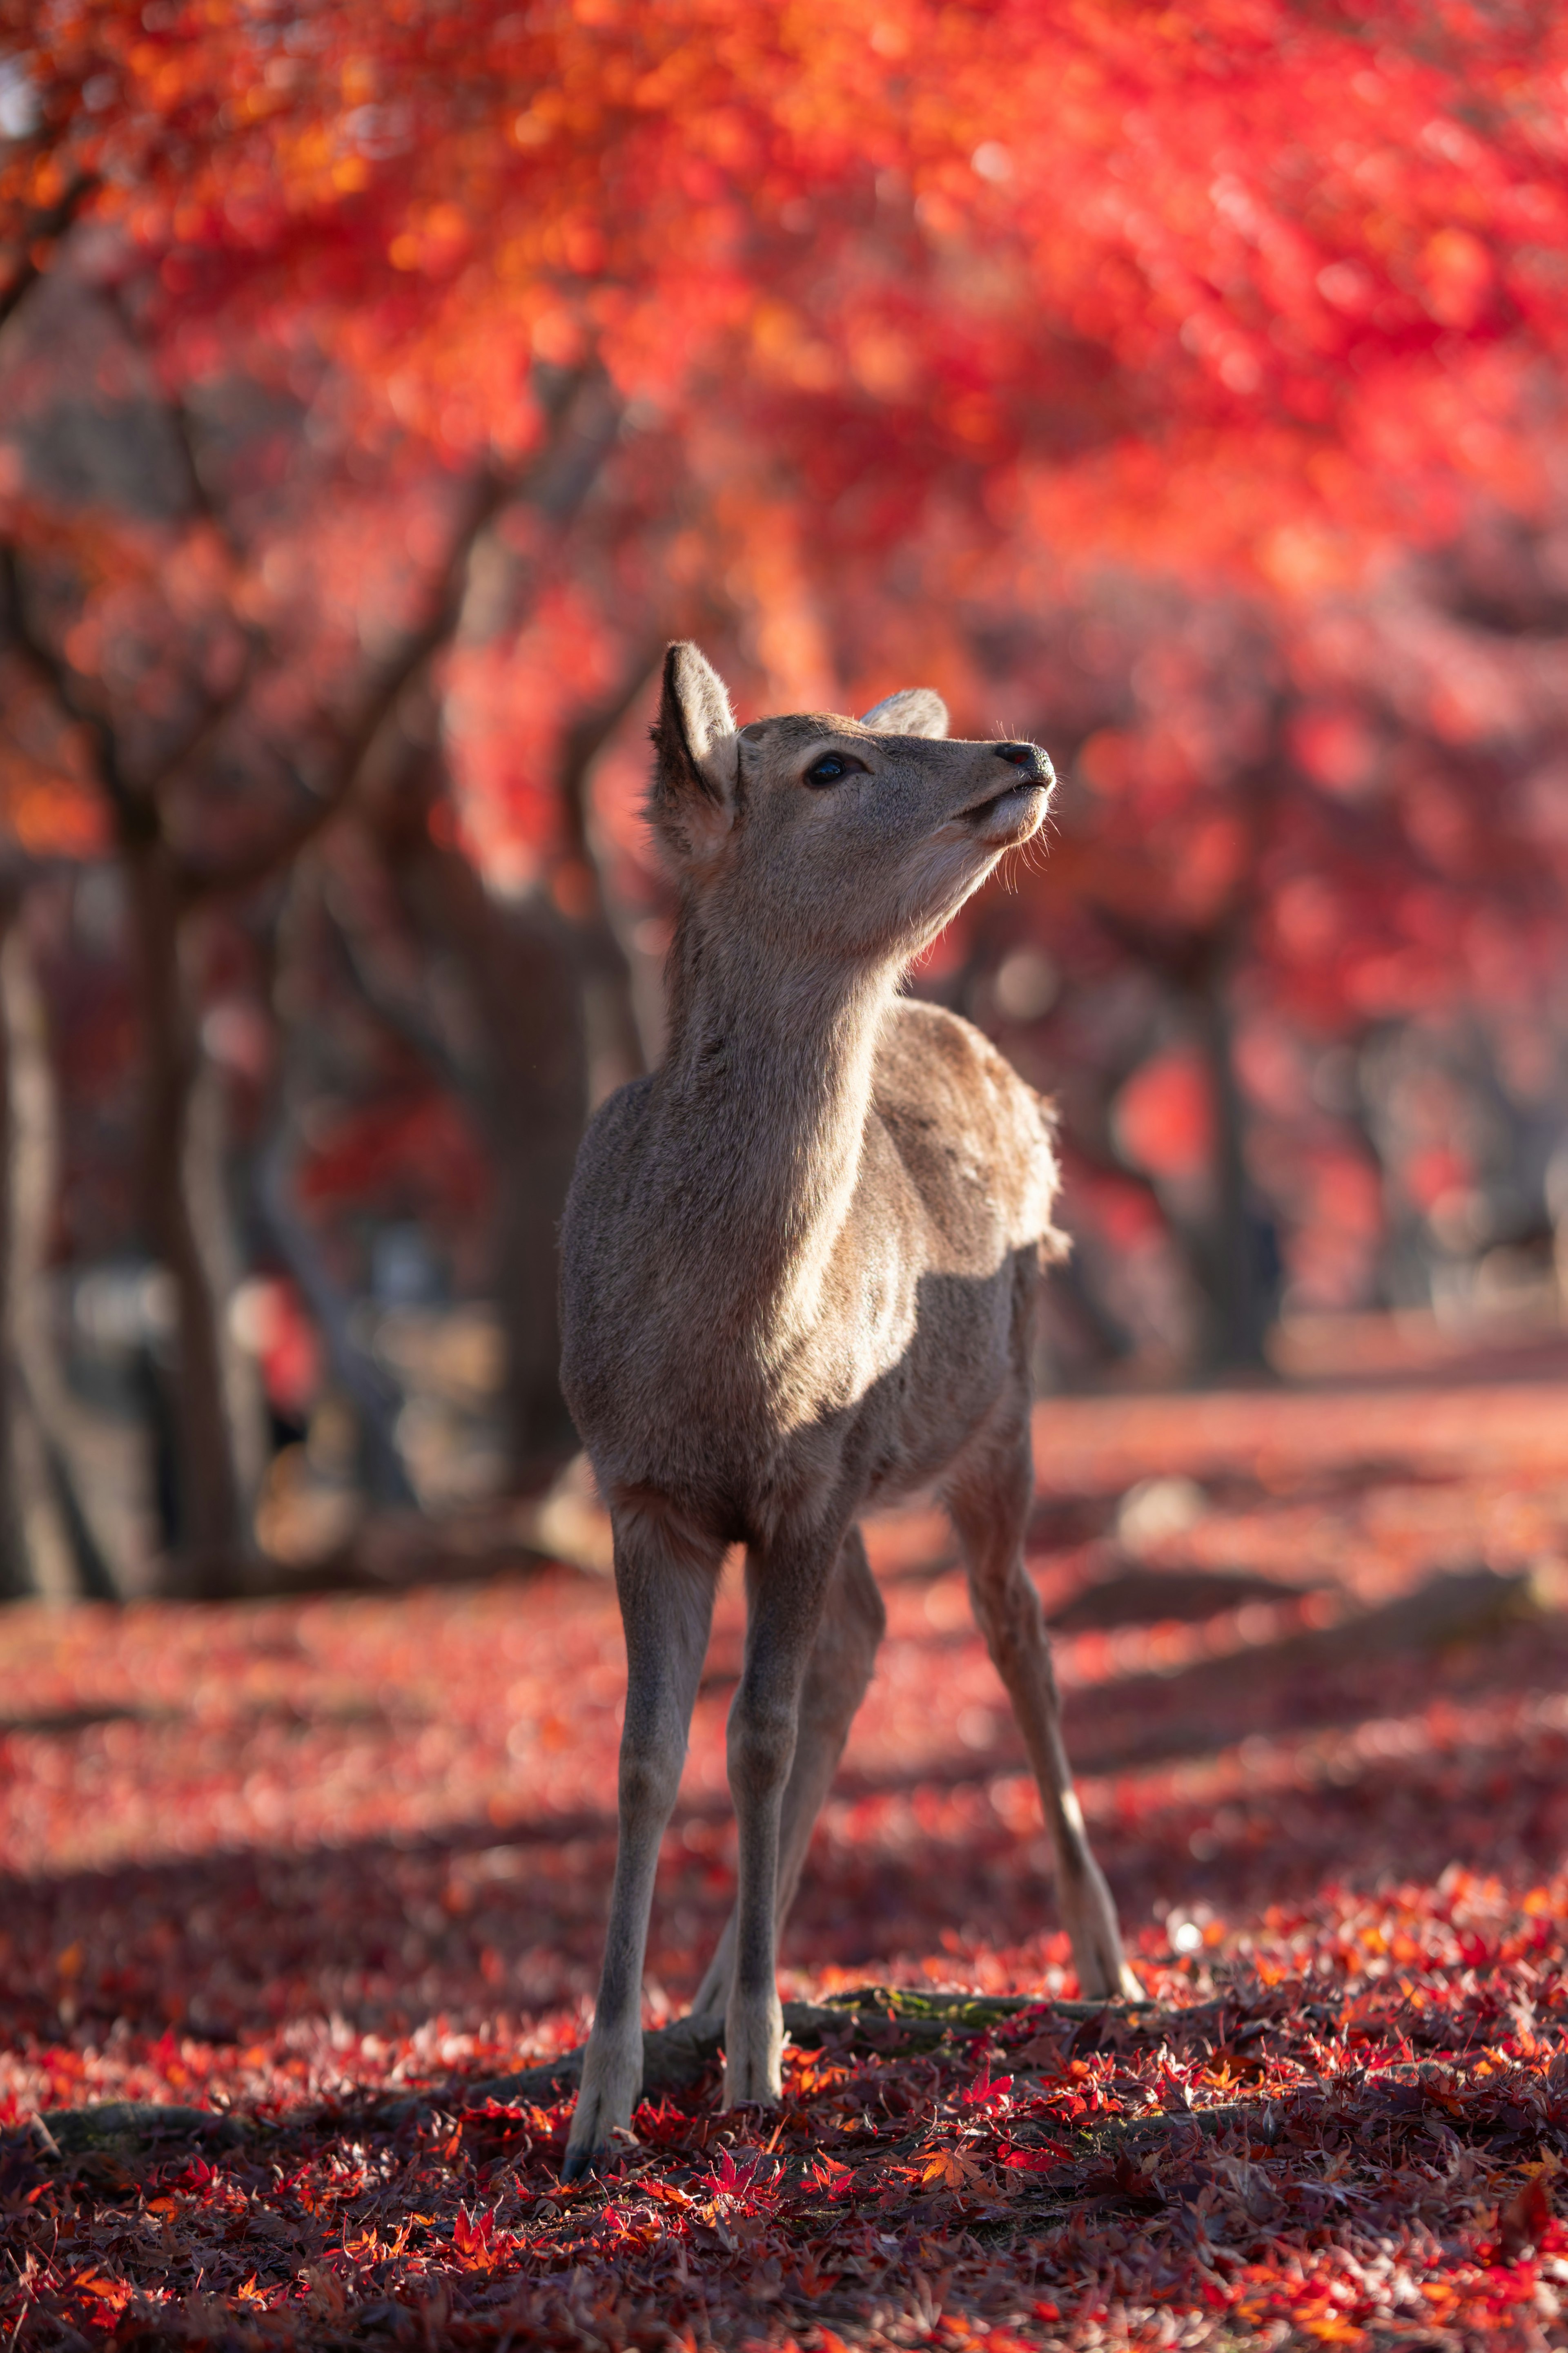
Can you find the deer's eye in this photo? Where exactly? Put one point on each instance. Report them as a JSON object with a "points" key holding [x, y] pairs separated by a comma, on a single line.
{"points": [[832, 766]]}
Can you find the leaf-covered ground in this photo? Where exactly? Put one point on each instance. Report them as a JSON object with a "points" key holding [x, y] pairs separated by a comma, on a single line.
{"points": [[323, 1870]]}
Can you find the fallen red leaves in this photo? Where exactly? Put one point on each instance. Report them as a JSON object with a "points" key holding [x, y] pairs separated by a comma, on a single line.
{"points": [[310, 1868]]}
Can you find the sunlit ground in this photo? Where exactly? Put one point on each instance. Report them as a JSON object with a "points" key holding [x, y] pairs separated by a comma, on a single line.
{"points": [[289, 1857]]}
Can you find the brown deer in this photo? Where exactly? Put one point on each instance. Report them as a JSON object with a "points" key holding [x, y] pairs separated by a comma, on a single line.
{"points": [[799, 1266]]}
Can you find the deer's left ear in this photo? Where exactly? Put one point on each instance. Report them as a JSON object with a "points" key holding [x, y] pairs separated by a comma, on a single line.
{"points": [[917, 710], [691, 802]]}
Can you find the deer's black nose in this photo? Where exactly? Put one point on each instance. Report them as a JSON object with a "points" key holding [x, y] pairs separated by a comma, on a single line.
{"points": [[1027, 758]]}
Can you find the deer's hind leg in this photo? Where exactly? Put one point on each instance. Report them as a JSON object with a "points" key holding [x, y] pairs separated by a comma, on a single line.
{"points": [[989, 1495], [665, 1585], [842, 1658]]}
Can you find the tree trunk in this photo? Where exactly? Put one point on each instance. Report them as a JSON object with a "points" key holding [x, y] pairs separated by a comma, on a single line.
{"points": [[1237, 1290], [522, 969], [35, 1549], [214, 1401], [375, 1400], [523, 975], [548, 996], [47, 1544], [532, 989], [539, 1006]]}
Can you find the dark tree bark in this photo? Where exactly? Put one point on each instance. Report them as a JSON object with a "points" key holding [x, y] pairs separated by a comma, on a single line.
{"points": [[1226, 1247], [215, 1409], [214, 1405], [373, 1396], [47, 1544], [530, 996], [34, 1547], [1237, 1291], [1223, 1244], [521, 971], [527, 972]]}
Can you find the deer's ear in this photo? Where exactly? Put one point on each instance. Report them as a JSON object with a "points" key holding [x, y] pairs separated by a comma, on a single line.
{"points": [[693, 796], [917, 710]]}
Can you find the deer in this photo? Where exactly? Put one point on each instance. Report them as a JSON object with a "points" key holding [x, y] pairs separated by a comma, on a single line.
{"points": [[799, 1262]]}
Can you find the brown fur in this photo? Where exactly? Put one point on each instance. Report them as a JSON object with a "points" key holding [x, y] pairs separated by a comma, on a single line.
{"points": [[799, 1264]]}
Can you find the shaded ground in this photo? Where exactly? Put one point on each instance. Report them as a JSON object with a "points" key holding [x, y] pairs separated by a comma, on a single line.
{"points": [[299, 1862]]}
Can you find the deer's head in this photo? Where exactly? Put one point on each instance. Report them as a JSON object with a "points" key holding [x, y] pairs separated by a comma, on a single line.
{"points": [[829, 836]]}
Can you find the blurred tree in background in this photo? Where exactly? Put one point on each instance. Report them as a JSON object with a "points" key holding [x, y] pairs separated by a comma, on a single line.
{"points": [[380, 385]]}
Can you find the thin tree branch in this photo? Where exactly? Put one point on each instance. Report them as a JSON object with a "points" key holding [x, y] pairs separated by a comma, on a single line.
{"points": [[202, 735], [559, 477], [491, 492], [587, 739], [136, 815], [558, 480], [400, 1013], [376, 1400], [40, 231]]}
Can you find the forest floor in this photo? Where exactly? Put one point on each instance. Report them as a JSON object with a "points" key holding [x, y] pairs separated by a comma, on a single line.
{"points": [[312, 1874]]}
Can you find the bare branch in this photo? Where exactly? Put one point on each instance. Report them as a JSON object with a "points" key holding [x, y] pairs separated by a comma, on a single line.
{"points": [[204, 504], [203, 735], [587, 739], [395, 1006], [558, 479], [41, 231], [135, 814], [489, 493]]}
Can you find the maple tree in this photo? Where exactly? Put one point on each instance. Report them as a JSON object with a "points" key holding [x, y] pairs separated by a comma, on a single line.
{"points": [[1183, 387], [1276, 844], [1263, 298], [1311, 260]]}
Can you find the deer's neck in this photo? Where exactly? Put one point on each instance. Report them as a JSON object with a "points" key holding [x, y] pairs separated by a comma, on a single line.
{"points": [[763, 1097]]}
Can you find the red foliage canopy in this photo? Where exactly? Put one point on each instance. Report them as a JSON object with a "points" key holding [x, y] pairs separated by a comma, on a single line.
{"points": [[1232, 278]]}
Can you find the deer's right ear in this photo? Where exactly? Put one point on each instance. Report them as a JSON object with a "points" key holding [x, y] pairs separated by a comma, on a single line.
{"points": [[693, 796], [917, 710]]}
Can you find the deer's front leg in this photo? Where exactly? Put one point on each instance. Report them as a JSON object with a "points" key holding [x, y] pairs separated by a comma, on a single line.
{"points": [[786, 1591], [665, 1591], [842, 1657]]}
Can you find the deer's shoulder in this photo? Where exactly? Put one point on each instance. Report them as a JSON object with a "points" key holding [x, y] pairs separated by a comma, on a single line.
{"points": [[975, 1137]]}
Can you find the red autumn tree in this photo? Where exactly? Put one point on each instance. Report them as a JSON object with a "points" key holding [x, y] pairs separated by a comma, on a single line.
{"points": [[1258, 293]]}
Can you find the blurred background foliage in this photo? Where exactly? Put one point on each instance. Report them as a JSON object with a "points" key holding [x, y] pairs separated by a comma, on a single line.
{"points": [[382, 385]]}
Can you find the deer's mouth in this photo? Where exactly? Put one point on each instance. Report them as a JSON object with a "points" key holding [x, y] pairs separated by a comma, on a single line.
{"points": [[1023, 794]]}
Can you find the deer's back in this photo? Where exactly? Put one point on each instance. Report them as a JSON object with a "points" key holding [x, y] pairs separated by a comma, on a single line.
{"points": [[971, 1137]]}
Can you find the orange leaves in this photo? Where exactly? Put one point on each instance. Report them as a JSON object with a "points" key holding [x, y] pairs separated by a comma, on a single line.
{"points": [[950, 2168], [1457, 273], [110, 2294], [434, 241]]}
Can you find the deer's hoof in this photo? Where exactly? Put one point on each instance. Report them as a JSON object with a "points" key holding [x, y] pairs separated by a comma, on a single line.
{"points": [[754, 2057], [589, 2156], [1103, 1975], [745, 2089], [601, 2122]]}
